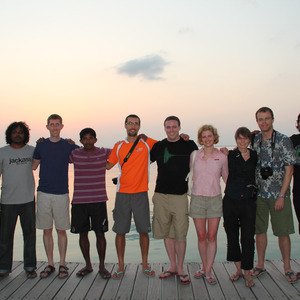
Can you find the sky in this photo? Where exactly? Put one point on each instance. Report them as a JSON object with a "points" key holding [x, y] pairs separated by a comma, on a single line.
{"points": [[94, 62]]}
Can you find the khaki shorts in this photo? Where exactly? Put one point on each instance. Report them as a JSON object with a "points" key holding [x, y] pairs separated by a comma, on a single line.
{"points": [[52, 207], [281, 221], [203, 207], [170, 216]]}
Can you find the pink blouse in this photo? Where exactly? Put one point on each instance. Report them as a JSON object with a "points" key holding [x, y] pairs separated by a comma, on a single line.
{"points": [[207, 173]]}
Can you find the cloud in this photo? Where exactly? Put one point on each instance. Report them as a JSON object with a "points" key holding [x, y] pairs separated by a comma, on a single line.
{"points": [[148, 67]]}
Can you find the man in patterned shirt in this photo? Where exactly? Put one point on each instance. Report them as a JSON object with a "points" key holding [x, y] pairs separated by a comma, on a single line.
{"points": [[274, 171], [89, 210]]}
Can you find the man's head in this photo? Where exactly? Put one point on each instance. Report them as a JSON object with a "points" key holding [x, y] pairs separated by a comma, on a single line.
{"points": [[88, 139], [172, 128], [54, 125], [17, 133], [132, 125], [265, 118], [298, 123]]}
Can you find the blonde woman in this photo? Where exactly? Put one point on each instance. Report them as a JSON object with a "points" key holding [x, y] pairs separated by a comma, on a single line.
{"points": [[209, 165]]}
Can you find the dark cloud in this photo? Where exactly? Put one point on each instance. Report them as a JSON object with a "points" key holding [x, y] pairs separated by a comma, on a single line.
{"points": [[148, 67]]}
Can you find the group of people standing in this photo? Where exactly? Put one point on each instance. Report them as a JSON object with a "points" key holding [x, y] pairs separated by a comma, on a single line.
{"points": [[257, 184]]}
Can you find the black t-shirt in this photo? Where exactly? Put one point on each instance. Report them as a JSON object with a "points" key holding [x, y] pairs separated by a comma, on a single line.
{"points": [[241, 173], [173, 165], [296, 142]]}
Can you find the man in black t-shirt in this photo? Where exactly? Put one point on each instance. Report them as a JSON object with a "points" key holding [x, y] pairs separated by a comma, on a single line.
{"points": [[170, 211]]}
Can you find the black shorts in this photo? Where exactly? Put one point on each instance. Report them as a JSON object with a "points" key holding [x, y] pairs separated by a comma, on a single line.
{"points": [[89, 216]]}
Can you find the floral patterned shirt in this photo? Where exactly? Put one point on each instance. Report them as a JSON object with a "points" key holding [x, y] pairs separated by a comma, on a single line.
{"points": [[283, 155]]}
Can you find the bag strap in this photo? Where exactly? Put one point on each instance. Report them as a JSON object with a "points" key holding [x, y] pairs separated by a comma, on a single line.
{"points": [[130, 151]]}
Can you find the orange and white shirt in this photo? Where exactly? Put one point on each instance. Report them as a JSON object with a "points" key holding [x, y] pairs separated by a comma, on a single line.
{"points": [[134, 175]]}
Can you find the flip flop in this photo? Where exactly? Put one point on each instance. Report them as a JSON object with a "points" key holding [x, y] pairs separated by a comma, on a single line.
{"points": [[63, 272], [31, 274], [118, 275], [235, 277], [199, 274], [259, 271], [47, 271], [84, 271], [249, 283], [168, 274], [211, 280], [104, 274], [182, 277], [289, 275], [149, 272]]}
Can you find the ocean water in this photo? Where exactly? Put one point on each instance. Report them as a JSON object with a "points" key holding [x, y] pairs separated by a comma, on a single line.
{"points": [[157, 251]]}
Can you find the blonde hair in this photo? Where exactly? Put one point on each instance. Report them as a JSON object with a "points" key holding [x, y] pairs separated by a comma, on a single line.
{"points": [[210, 128]]}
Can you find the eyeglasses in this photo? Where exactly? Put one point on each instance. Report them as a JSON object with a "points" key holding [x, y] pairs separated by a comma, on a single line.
{"points": [[264, 119], [133, 123]]}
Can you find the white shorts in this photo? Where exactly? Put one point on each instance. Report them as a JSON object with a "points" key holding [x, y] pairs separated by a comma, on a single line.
{"points": [[52, 207]]}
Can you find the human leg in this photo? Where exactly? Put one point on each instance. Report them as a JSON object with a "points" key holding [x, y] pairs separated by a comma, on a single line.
{"points": [[232, 228], [212, 230], [8, 224], [27, 220], [101, 249], [200, 225], [84, 244], [120, 247]]}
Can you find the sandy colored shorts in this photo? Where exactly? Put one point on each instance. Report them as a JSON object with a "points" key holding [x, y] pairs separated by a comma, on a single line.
{"points": [[52, 207], [170, 216]]}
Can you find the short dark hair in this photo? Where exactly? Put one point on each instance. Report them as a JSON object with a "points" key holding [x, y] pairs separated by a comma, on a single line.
{"points": [[85, 131], [132, 116], [54, 117], [243, 131], [172, 118], [12, 127], [264, 109], [298, 120]]}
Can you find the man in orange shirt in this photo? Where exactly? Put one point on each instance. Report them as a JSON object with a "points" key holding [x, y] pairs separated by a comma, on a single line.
{"points": [[132, 192]]}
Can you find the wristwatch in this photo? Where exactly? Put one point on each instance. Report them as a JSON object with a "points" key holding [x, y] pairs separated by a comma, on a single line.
{"points": [[280, 196]]}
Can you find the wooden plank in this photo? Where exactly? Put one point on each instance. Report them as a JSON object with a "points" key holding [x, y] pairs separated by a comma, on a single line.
{"points": [[224, 281], [243, 291], [169, 286], [155, 284], [127, 283], [185, 291], [140, 289], [46, 288], [21, 286], [6, 281], [99, 284], [276, 267], [270, 285], [112, 286], [198, 286]]}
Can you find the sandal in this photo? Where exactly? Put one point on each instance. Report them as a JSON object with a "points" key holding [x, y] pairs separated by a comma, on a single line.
{"points": [[84, 271], [199, 274], [259, 272], [31, 274], [211, 280], [249, 283], [63, 272], [235, 277], [104, 274], [182, 277], [47, 271], [291, 277]]}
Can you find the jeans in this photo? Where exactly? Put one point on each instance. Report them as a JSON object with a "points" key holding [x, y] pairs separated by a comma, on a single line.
{"points": [[240, 214], [10, 213]]}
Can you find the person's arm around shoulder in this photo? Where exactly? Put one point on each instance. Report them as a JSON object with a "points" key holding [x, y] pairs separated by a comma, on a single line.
{"points": [[35, 163], [225, 171], [289, 170], [109, 165]]}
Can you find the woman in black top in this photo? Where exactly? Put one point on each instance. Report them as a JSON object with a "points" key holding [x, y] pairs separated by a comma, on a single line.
{"points": [[239, 206]]}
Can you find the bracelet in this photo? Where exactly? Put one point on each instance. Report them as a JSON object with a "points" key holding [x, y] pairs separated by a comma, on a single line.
{"points": [[280, 196]]}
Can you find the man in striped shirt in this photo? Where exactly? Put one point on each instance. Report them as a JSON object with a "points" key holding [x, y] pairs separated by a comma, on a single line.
{"points": [[89, 210]]}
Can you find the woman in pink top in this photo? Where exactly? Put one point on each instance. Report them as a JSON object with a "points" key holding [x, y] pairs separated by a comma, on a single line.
{"points": [[208, 165]]}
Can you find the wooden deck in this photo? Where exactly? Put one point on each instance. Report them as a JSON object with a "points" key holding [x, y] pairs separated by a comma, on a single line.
{"points": [[135, 285]]}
